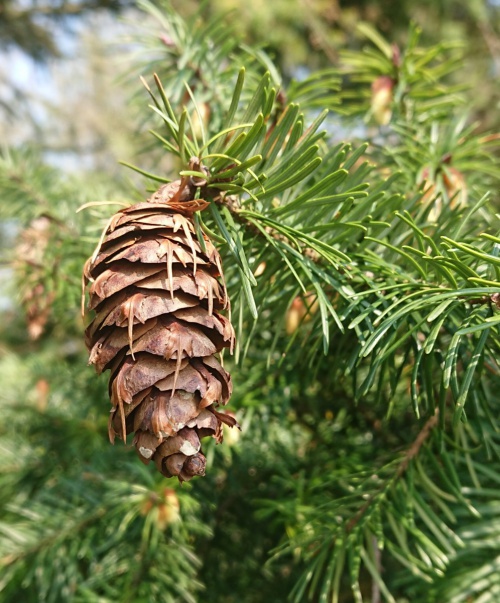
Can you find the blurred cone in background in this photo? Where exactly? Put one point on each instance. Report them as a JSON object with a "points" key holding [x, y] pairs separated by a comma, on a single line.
{"points": [[30, 272]]}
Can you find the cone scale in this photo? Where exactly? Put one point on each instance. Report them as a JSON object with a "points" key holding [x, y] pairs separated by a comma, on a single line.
{"points": [[159, 301]]}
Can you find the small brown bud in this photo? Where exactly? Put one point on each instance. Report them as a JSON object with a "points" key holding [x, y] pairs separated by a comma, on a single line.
{"points": [[301, 310], [382, 97]]}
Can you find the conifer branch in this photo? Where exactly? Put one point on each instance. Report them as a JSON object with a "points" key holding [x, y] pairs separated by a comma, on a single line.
{"points": [[389, 249], [408, 456]]}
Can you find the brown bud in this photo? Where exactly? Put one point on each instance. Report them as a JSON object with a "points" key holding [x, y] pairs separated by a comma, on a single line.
{"points": [[382, 97], [456, 187], [300, 311]]}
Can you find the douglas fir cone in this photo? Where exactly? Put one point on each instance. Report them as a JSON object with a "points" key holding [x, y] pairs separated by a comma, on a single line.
{"points": [[156, 293]]}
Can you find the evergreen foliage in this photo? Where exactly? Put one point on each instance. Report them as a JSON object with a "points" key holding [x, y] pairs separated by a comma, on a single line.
{"points": [[364, 278]]}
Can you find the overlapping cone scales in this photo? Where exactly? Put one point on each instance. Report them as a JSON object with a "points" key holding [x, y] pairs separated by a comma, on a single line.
{"points": [[158, 294]]}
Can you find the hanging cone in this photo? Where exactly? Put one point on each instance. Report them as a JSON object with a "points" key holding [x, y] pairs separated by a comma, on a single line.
{"points": [[157, 295], [31, 273]]}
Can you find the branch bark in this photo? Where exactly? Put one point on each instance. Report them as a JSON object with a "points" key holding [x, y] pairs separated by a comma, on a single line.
{"points": [[408, 456]]}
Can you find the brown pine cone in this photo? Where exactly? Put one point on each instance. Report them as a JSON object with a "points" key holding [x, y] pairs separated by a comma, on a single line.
{"points": [[157, 296]]}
